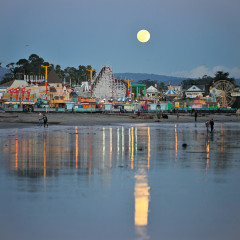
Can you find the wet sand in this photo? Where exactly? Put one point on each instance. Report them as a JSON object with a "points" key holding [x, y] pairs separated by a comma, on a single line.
{"points": [[134, 181], [18, 120]]}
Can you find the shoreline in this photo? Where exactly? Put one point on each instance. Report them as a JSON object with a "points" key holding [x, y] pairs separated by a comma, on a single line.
{"points": [[20, 119]]}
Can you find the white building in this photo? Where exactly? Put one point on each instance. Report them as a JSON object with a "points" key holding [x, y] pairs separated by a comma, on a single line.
{"points": [[14, 84], [11, 84], [152, 91], [177, 88], [194, 92]]}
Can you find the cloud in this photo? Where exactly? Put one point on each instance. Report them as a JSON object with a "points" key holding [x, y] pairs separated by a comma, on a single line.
{"points": [[200, 71]]}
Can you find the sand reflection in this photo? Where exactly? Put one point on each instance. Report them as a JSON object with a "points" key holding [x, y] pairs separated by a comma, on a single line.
{"points": [[142, 195], [76, 154], [115, 167], [16, 153], [176, 142], [141, 198]]}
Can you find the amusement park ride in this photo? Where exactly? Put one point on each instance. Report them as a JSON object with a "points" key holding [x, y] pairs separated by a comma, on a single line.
{"points": [[90, 70], [224, 92], [105, 86], [46, 81]]}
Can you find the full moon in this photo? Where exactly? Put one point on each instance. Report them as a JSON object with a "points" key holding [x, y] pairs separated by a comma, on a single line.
{"points": [[143, 36]]}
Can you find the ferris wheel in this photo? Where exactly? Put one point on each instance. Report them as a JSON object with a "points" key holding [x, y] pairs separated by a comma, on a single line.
{"points": [[222, 90]]}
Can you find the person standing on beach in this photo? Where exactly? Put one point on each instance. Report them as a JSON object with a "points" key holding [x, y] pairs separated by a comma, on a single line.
{"points": [[40, 117], [207, 125], [45, 120], [211, 125], [195, 116]]}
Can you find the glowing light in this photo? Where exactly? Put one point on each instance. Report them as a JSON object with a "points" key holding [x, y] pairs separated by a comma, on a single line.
{"points": [[90, 156], [143, 36], [44, 156], [104, 148], [118, 143], [222, 139], [122, 142], [149, 147], [136, 139], [76, 131], [141, 199], [132, 155], [207, 150], [110, 147], [176, 142], [129, 142], [16, 153]]}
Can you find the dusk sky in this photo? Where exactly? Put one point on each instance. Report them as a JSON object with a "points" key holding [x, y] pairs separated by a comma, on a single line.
{"points": [[189, 38]]}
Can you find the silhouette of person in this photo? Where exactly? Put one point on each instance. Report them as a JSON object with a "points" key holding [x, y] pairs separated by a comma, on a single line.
{"points": [[211, 124]]}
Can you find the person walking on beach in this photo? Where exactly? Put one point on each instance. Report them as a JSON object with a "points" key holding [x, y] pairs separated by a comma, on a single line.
{"points": [[211, 125], [45, 120], [195, 116], [207, 125], [40, 117], [177, 114]]}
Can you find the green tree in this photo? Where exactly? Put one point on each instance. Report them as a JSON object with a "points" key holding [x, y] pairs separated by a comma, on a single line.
{"points": [[162, 86], [23, 67], [207, 81], [11, 75], [77, 76], [59, 72], [82, 73], [7, 78], [220, 75], [11, 67], [148, 82], [32, 66], [189, 82], [35, 64], [70, 75]]}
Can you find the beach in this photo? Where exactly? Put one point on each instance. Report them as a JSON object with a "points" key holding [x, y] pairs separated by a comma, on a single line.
{"points": [[20, 119], [169, 179]]}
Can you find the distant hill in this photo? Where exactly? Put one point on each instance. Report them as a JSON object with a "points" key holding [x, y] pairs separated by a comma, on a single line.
{"points": [[3, 71], [159, 78], [237, 81], [136, 77], [143, 76]]}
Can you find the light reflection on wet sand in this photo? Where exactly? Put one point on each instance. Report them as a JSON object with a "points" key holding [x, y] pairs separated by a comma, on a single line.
{"points": [[137, 175]]}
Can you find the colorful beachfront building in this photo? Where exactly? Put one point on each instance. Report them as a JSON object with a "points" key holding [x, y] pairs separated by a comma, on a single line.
{"points": [[11, 84], [152, 92], [18, 99], [20, 94], [194, 92]]}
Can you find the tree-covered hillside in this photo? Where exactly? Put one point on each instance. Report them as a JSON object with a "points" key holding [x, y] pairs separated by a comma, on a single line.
{"points": [[33, 66]]}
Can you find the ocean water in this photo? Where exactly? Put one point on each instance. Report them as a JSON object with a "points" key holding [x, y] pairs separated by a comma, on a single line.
{"points": [[120, 182]]}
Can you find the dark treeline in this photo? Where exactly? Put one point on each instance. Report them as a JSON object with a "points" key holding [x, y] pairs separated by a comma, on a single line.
{"points": [[32, 66], [207, 81], [148, 82]]}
